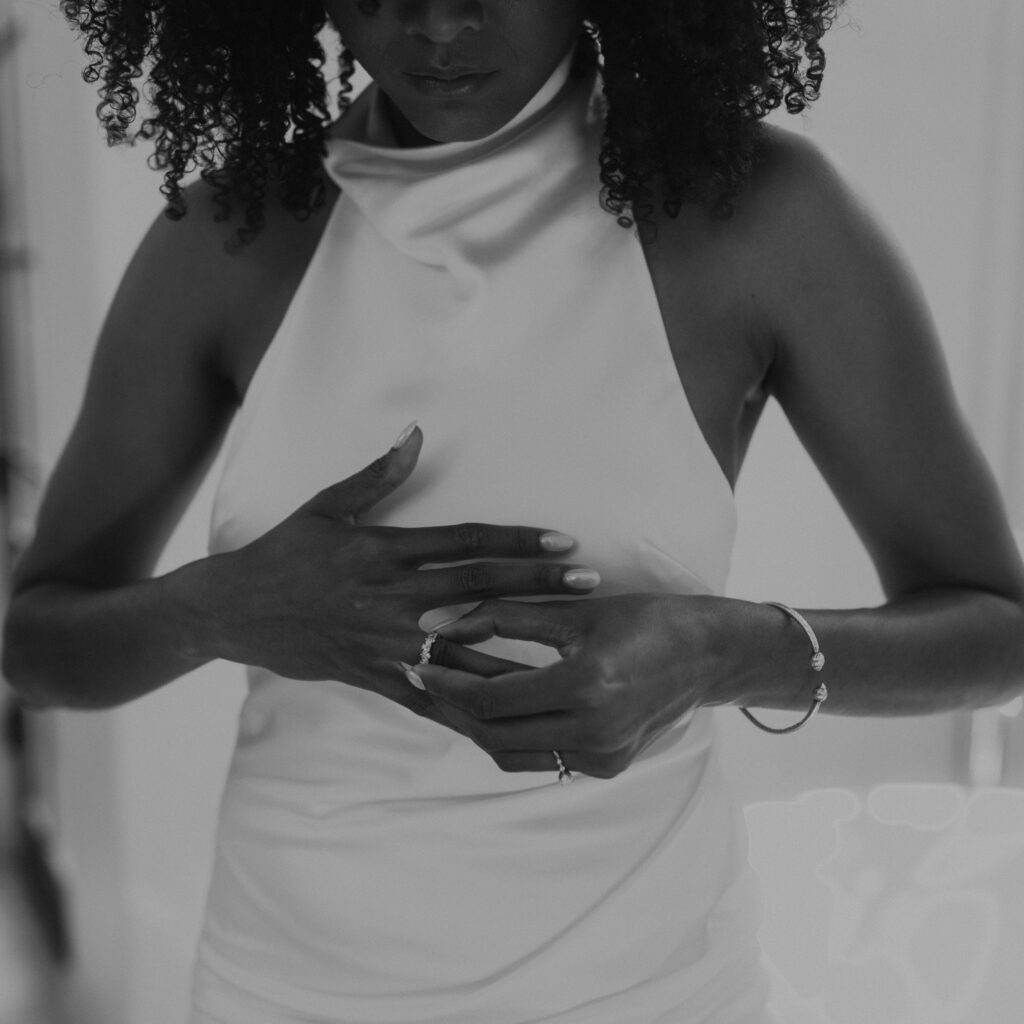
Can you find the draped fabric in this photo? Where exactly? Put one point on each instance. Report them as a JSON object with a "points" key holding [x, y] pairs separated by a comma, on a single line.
{"points": [[373, 866]]}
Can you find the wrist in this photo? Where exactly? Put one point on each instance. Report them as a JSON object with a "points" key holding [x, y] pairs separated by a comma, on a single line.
{"points": [[765, 658], [730, 635], [794, 662], [195, 598]]}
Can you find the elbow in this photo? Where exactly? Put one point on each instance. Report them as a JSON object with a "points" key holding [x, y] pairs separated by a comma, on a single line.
{"points": [[32, 666], [1010, 648], [19, 664]]}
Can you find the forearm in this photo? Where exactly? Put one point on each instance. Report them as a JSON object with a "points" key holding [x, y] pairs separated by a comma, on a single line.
{"points": [[931, 651], [67, 645]]}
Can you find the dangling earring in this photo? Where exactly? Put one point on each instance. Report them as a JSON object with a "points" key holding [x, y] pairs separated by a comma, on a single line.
{"points": [[346, 69], [588, 51]]}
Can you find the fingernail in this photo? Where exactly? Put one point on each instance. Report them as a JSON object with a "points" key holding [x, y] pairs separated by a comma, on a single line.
{"points": [[554, 541], [581, 579], [404, 436], [447, 622], [411, 675]]}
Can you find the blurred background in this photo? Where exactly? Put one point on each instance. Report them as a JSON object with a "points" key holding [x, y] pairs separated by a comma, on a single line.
{"points": [[106, 819]]}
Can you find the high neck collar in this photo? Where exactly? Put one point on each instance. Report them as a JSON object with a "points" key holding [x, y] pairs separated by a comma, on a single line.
{"points": [[462, 205]]}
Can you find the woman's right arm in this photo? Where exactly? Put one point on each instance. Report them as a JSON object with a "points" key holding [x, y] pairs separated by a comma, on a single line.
{"points": [[317, 597], [85, 627]]}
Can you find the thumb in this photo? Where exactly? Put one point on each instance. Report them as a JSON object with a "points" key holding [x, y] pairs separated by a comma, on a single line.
{"points": [[352, 497]]}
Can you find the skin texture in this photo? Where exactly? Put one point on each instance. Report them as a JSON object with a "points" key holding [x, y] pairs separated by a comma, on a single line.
{"points": [[518, 43], [798, 295]]}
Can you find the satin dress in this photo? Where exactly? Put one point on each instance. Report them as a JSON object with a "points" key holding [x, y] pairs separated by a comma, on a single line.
{"points": [[373, 867]]}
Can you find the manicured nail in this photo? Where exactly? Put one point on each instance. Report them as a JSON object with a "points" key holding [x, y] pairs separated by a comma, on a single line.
{"points": [[556, 542], [404, 436], [411, 675], [447, 622], [581, 579]]}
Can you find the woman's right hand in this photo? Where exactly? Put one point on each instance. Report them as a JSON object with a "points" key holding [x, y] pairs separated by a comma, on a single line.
{"points": [[321, 597]]}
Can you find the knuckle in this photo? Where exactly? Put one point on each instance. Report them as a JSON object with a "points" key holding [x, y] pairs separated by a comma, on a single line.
{"points": [[590, 692], [359, 548], [378, 469], [609, 736], [607, 739], [525, 541], [475, 578], [483, 707], [472, 537], [364, 541]]}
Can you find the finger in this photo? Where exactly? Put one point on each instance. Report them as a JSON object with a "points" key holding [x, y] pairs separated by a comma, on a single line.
{"points": [[451, 655], [543, 732], [526, 692], [468, 541], [348, 499], [475, 581], [554, 623], [539, 761], [576, 763]]}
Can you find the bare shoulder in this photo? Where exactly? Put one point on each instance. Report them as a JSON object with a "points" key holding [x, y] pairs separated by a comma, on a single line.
{"points": [[788, 166], [796, 205], [188, 323], [818, 251], [227, 299], [792, 184], [793, 214]]}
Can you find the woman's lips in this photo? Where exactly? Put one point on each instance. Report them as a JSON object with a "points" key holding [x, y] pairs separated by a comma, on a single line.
{"points": [[447, 84]]}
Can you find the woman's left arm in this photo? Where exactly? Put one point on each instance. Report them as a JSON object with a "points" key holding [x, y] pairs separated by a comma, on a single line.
{"points": [[860, 375]]}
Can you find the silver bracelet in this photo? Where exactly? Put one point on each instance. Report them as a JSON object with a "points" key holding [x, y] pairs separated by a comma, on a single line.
{"points": [[817, 664]]}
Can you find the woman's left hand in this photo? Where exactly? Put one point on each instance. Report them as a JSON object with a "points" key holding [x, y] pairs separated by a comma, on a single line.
{"points": [[631, 666]]}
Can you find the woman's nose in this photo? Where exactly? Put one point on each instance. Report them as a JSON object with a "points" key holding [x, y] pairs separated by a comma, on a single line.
{"points": [[441, 21]]}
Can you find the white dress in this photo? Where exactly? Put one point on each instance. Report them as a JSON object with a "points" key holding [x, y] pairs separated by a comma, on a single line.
{"points": [[373, 867]]}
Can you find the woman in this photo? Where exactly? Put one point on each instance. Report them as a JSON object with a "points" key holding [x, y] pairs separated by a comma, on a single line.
{"points": [[586, 394]]}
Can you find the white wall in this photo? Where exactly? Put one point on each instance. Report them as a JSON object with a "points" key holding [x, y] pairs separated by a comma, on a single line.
{"points": [[907, 111], [136, 789]]}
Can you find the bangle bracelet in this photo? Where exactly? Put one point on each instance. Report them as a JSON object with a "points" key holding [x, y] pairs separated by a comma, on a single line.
{"points": [[817, 663]]}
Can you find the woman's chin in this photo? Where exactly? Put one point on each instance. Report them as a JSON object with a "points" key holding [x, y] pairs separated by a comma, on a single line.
{"points": [[447, 120]]}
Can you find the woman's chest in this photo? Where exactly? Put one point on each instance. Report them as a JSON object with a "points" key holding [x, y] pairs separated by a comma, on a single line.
{"points": [[707, 306], [544, 396]]}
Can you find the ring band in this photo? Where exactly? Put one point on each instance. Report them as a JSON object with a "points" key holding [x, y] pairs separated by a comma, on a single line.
{"points": [[564, 775], [425, 648]]}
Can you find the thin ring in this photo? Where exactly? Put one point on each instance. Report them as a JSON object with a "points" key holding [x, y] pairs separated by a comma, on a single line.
{"points": [[428, 642], [564, 775]]}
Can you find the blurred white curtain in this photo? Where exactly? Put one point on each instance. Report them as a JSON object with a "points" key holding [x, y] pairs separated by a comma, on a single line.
{"points": [[995, 391], [903, 904]]}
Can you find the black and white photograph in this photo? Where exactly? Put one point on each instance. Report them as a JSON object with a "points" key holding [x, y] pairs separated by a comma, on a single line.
{"points": [[511, 512]]}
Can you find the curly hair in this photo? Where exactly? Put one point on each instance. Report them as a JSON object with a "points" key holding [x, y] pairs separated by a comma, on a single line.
{"points": [[239, 92]]}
